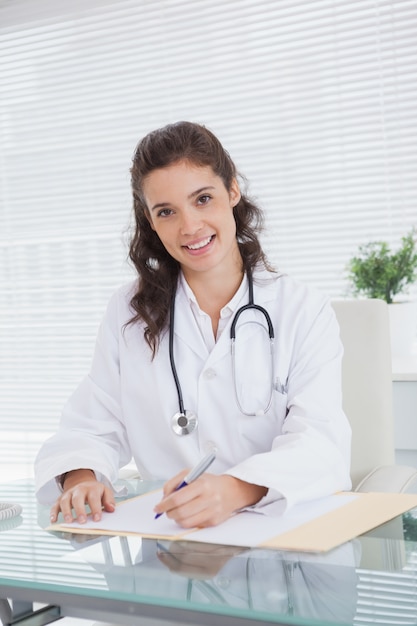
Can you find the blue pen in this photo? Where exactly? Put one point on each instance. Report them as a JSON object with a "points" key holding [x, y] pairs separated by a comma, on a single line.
{"points": [[196, 472]]}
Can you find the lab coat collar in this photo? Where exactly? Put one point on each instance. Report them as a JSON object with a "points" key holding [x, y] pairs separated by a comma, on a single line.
{"points": [[229, 309], [187, 330]]}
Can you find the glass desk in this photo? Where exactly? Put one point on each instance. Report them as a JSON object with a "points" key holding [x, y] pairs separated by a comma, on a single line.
{"points": [[371, 580]]}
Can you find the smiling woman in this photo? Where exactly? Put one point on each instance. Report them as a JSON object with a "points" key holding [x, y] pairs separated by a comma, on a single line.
{"points": [[197, 228], [187, 162], [198, 258]]}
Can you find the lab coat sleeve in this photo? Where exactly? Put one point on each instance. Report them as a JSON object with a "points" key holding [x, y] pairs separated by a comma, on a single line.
{"points": [[91, 432], [310, 458]]}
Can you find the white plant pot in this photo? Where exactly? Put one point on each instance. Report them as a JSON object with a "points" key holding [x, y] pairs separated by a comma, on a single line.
{"points": [[403, 327]]}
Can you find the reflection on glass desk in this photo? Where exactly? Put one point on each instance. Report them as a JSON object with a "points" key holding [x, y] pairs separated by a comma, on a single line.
{"points": [[127, 580]]}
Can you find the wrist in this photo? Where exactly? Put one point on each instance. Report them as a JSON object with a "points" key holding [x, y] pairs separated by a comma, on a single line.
{"points": [[245, 494], [73, 477]]}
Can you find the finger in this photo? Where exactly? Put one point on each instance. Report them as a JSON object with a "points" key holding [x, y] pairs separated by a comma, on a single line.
{"points": [[54, 512], [94, 498], [191, 515], [172, 484], [175, 499], [199, 504], [79, 501], [66, 507], [184, 507], [205, 515], [109, 503], [169, 488]]}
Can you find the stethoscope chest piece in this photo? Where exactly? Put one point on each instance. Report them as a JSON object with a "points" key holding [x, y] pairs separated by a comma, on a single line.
{"points": [[184, 422]]}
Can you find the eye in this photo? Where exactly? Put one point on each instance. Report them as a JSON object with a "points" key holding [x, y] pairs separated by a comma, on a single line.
{"points": [[164, 212], [204, 199]]}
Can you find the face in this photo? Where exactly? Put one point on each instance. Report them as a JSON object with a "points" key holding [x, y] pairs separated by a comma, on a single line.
{"points": [[191, 211]]}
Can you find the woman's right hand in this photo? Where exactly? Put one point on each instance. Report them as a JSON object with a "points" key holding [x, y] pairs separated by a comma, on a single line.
{"points": [[81, 488]]}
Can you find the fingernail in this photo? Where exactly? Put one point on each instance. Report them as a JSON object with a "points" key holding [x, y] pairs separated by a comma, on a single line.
{"points": [[81, 519], [96, 517], [52, 518], [68, 518]]}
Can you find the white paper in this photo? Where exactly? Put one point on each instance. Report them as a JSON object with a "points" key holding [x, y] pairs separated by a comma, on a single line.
{"points": [[247, 529], [251, 528], [134, 516]]}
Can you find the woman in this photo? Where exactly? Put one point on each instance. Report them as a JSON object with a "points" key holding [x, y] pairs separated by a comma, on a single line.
{"points": [[164, 387]]}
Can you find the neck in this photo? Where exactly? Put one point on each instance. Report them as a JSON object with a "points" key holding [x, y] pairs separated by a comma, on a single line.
{"points": [[215, 291]]}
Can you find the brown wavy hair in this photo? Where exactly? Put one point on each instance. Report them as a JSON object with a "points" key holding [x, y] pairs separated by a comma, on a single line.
{"points": [[158, 271]]}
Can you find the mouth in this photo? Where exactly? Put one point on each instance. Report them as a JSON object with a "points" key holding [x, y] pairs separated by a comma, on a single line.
{"points": [[200, 244]]}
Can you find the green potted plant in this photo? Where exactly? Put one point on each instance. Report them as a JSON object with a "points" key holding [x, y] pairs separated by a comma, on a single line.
{"points": [[377, 272]]}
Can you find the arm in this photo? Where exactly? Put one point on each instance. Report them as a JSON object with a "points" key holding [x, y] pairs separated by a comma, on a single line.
{"points": [[91, 432], [310, 457]]}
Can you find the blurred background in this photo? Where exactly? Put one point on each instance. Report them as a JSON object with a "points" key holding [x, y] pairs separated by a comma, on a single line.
{"points": [[315, 101]]}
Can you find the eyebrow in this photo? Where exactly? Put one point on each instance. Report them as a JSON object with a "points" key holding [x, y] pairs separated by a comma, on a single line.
{"points": [[190, 196]]}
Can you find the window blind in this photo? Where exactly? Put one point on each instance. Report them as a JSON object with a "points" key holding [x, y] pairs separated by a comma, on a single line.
{"points": [[314, 100], [386, 597]]}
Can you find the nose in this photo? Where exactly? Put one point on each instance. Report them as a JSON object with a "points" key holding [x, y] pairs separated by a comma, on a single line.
{"points": [[191, 222]]}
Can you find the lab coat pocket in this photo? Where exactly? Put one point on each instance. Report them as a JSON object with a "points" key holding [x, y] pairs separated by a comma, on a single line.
{"points": [[262, 401], [259, 430], [253, 375]]}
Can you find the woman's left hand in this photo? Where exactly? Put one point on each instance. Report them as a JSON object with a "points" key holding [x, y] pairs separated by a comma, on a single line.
{"points": [[207, 501]]}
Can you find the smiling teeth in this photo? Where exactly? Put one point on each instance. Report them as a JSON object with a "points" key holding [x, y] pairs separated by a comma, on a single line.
{"points": [[200, 244]]}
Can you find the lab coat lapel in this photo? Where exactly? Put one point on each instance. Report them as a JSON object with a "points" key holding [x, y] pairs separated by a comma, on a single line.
{"points": [[185, 326], [265, 296], [187, 331]]}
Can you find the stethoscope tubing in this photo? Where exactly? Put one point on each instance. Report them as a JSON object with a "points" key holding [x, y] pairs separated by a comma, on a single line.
{"points": [[171, 356], [185, 422], [251, 305]]}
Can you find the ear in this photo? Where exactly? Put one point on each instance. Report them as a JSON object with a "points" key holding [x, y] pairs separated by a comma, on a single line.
{"points": [[234, 193]]}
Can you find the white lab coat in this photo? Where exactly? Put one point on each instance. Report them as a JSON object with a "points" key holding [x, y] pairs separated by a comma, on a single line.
{"points": [[299, 449]]}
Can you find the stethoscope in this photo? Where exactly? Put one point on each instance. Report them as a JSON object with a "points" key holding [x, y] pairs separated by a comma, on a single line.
{"points": [[185, 422]]}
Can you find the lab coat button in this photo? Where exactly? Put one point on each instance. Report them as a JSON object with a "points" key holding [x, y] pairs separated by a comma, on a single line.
{"points": [[223, 582], [210, 446], [209, 374]]}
